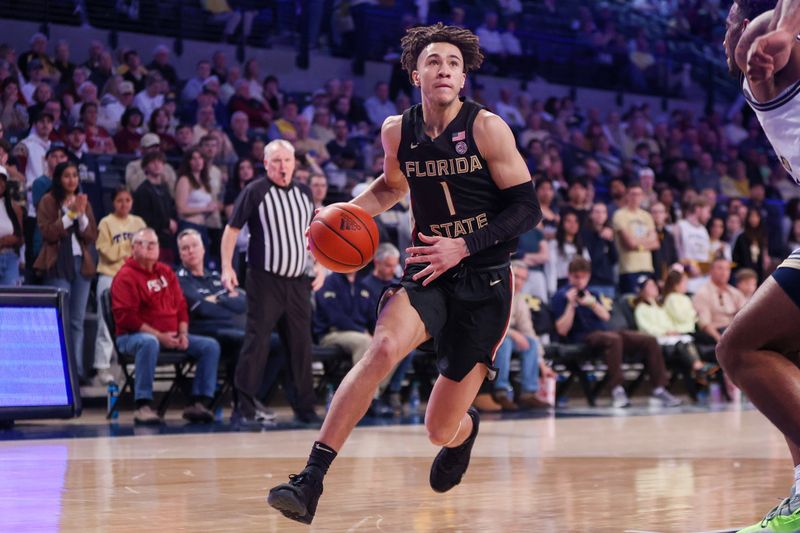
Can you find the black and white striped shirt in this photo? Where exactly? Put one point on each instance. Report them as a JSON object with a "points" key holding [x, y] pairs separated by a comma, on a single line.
{"points": [[277, 218]]}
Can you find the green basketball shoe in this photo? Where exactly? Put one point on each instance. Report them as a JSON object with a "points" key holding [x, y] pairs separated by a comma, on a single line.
{"points": [[785, 518]]}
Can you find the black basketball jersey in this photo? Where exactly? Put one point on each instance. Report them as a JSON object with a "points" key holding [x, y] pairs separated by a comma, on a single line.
{"points": [[452, 191]]}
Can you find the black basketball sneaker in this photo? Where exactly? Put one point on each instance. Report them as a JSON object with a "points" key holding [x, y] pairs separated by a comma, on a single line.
{"points": [[451, 463], [298, 498]]}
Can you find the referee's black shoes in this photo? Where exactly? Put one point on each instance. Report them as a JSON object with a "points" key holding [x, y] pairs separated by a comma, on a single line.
{"points": [[298, 498], [450, 464]]}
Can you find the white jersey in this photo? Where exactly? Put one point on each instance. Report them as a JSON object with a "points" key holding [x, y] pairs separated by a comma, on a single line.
{"points": [[780, 119]]}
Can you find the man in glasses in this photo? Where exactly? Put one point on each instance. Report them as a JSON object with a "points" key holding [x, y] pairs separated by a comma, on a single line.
{"points": [[150, 314], [717, 301]]}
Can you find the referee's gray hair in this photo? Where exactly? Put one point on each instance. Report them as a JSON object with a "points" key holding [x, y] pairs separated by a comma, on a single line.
{"points": [[276, 145], [386, 250]]}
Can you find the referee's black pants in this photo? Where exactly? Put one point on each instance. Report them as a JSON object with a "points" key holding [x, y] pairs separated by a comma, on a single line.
{"points": [[271, 298]]}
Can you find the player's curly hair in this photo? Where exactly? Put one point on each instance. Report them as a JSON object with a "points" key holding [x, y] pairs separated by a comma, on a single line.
{"points": [[416, 39], [750, 9]]}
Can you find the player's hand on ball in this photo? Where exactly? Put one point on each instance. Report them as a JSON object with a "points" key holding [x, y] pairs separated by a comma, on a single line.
{"points": [[442, 254]]}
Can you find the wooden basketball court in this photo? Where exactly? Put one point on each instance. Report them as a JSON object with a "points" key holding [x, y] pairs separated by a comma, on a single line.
{"points": [[690, 472]]}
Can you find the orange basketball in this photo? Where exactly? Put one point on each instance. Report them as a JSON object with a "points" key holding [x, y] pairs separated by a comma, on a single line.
{"points": [[343, 237]]}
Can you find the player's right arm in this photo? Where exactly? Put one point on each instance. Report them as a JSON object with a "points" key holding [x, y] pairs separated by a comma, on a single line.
{"points": [[391, 186], [775, 50]]}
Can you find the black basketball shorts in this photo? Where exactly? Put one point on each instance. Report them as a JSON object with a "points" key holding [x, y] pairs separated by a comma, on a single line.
{"points": [[466, 311], [788, 276]]}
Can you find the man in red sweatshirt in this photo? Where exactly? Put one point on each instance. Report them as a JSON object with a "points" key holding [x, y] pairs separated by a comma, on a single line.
{"points": [[150, 314]]}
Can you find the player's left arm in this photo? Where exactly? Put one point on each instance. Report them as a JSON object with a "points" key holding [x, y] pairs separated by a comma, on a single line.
{"points": [[771, 53], [496, 143]]}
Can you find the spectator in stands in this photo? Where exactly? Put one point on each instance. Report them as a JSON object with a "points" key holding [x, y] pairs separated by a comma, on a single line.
{"points": [[41, 95], [344, 317], [134, 171], [76, 144], [87, 94], [193, 194], [666, 254], [11, 235], [98, 140], [567, 245], [228, 87], [344, 151], [271, 91], [41, 186], [751, 250], [583, 317], [251, 75], [66, 260], [153, 202], [717, 243], [521, 338], [636, 239], [578, 200], [321, 125], [150, 313], [161, 65], [219, 66], [194, 86], [490, 39], [206, 121], [159, 124], [545, 193], [38, 52], [103, 72], [705, 175], [257, 111], [13, 113], [133, 70], [746, 280], [152, 97], [118, 98], [693, 242], [269, 276], [535, 129], [511, 43], [60, 121], [129, 136], [114, 237], [184, 140], [305, 144], [378, 106], [36, 77], [716, 301], [509, 112], [318, 184], [598, 235]]}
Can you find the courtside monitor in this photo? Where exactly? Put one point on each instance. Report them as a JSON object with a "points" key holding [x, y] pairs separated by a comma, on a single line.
{"points": [[37, 368]]}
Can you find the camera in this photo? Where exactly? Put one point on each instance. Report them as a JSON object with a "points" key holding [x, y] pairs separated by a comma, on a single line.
{"points": [[581, 294]]}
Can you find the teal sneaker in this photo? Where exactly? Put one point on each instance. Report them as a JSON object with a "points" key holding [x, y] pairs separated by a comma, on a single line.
{"points": [[785, 518]]}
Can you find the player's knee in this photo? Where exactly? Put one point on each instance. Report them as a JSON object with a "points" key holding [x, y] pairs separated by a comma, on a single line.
{"points": [[383, 353], [439, 434], [729, 354]]}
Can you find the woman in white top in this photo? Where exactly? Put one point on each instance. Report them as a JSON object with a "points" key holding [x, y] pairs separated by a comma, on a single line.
{"points": [[193, 198], [717, 244], [563, 249]]}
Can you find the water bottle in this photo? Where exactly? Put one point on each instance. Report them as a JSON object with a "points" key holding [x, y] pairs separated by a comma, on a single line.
{"points": [[328, 397], [111, 400], [715, 392], [413, 398]]}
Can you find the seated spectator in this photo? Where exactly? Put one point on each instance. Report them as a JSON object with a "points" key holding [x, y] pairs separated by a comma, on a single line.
{"points": [[345, 318], [98, 140], [152, 97], [305, 144], [133, 70], [153, 202], [599, 238], [239, 134], [509, 112], [11, 236], [129, 136], [521, 338], [345, 152], [693, 242], [717, 302], [118, 97], [717, 245], [567, 245], [161, 65], [66, 260], [13, 113], [150, 313], [652, 318], [184, 140], [194, 86], [258, 112], [318, 184], [750, 250], [666, 254], [160, 124], [114, 235], [583, 317], [746, 280], [636, 239], [134, 173], [545, 193], [534, 251]]}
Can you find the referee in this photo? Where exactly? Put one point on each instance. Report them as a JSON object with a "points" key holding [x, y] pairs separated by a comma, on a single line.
{"points": [[277, 212]]}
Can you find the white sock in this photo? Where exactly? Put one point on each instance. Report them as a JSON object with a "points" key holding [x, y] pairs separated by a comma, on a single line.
{"points": [[657, 391], [797, 479]]}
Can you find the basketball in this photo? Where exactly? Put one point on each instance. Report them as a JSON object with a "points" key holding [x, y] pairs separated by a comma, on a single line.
{"points": [[343, 237]]}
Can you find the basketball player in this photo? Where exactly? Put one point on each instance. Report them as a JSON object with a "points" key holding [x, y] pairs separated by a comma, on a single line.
{"points": [[471, 196], [759, 351]]}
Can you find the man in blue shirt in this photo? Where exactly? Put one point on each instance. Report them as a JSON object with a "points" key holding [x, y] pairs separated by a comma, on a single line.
{"points": [[582, 316]]}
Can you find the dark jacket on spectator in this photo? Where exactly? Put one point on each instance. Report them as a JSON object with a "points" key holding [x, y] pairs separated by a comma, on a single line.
{"points": [[586, 321], [665, 256], [155, 205], [49, 219], [604, 257], [207, 317], [141, 297], [342, 306]]}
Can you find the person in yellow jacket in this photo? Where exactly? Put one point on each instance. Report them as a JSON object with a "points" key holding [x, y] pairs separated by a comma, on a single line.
{"points": [[115, 234]]}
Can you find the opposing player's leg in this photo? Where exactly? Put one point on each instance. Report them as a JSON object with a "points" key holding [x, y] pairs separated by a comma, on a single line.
{"points": [[759, 353], [453, 424], [399, 330]]}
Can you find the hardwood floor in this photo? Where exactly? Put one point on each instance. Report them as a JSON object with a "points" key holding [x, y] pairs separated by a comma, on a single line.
{"points": [[678, 473]]}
